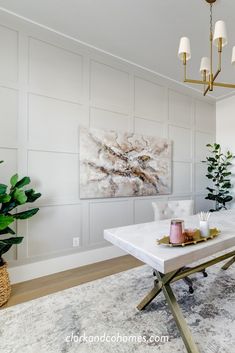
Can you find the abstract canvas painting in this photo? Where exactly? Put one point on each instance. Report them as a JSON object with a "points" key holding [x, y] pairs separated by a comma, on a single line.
{"points": [[115, 164]]}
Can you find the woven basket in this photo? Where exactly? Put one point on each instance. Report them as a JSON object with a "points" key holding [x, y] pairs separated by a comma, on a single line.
{"points": [[5, 286]]}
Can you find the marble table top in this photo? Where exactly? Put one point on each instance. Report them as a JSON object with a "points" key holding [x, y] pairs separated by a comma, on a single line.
{"points": [[139, 240]]}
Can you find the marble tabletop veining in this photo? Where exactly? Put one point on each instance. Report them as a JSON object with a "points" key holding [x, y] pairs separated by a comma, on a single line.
{"points": [[139, 240]]}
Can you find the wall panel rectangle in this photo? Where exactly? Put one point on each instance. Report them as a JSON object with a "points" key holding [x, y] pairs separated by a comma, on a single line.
{"points": [[8, 117], [151, 128], [55, 71], [9, 54], [104, 215], [180, 109], [109, 87], [105, 119], [55, 175], [54, 124], [205, 116], [182, 178], [201, 140], [150, 100], [48, 235], [182, 143]]}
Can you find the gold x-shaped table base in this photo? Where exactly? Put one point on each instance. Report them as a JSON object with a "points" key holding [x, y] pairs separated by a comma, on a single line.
{"points": [[229, 263], [163, 285]]}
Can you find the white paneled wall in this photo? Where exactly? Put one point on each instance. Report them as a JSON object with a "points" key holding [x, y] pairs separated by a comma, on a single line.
{"points": [[225, 125], [49, 86]]}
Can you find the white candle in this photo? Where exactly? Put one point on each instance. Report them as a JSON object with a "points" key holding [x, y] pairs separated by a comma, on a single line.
{"points": [[204, 229]]}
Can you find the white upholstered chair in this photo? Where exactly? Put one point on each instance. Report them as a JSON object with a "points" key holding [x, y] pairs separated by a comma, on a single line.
{"points": [[172, 209], [175, 209]]}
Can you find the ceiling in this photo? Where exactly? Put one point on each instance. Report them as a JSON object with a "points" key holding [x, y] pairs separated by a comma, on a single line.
{"points": [[146, 32]]}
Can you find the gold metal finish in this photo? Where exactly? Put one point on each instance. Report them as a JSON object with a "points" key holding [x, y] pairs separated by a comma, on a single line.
{"points": [[197, 238], [210, 82], [207, 89], [226, 85], [228, 264], [220, 46], [217, 73], [211, 61], [204, 75], [180, 320], [198, 268], [163, 285], [199, 82], [150, 296]]}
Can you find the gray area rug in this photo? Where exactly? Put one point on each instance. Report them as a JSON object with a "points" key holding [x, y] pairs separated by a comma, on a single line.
{"points": [[53, 324]]}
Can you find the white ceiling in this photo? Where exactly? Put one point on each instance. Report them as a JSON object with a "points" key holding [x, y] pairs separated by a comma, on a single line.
{"points": [[145, 32]]}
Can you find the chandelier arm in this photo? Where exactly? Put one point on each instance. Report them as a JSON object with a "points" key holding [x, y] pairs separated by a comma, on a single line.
{"points": [[219, 66], [206, 90], [227, 85], [216, 75], [218, 84], [185, 71], [220, 59], [199, 82]]}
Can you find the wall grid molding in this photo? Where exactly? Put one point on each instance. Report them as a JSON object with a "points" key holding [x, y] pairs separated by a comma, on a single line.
{"points": [[73, 85]]}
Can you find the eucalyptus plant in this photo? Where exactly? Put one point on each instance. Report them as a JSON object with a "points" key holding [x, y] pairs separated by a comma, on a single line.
{"points": [[11, 198], [218, 172]]}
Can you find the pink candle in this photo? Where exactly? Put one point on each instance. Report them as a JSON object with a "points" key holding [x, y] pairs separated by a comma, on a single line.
{"points": [[176, 231]]}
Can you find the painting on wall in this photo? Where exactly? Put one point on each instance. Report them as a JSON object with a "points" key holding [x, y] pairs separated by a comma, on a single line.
{"points": [[116, 164]]}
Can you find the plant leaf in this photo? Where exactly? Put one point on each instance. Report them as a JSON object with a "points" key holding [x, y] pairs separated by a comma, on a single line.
{"points": [[5, 198], [6, 244], [4, 248], [7, 230], [24, 181], [6, 207], [31, 195], [20, 196], [5, 221], [13, 240], [26, 214], [3, 188], [14, 180], [210, 189]]}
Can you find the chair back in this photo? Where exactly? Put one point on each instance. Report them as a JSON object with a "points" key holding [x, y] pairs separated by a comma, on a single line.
{"points": [[172, 209]]}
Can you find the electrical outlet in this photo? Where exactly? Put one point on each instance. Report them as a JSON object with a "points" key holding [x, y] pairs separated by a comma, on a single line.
{"points": [[76, 241]]}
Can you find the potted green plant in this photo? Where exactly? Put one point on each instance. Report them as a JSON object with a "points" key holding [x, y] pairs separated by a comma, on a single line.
{"points": [[11, 198], [218, 165]]}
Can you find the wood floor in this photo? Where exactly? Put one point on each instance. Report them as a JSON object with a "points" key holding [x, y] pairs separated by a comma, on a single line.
{"points": [[39, 287]]}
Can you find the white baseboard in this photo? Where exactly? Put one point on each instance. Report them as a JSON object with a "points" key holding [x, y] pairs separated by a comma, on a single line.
{"points": [[43, 268]]}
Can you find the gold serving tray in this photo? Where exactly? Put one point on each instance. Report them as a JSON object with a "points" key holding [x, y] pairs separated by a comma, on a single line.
{"points": [[214, 232]]}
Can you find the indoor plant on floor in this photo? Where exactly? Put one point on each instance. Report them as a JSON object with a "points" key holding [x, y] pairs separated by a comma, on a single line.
{"points": [[10, 199], [218, 172]]}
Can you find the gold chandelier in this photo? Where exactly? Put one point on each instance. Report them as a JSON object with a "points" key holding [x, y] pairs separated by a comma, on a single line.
{"points": [[219, 37]]}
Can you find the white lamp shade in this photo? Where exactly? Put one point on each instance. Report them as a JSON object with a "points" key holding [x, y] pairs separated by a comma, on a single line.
{"points": [[220, 32], [205, 65], [184, 47], [233, 56]]}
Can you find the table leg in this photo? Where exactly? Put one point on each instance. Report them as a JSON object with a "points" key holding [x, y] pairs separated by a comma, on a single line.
{"points": [[228, 264], [150, 296], [156, 289], [180, 320], [163, 284]]}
